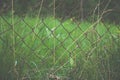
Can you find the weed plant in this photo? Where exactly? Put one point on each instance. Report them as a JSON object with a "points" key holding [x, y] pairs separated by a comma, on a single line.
{"points": [[83, 51]]}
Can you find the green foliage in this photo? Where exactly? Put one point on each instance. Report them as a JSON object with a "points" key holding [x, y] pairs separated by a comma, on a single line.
{"points": [[35, 44]]}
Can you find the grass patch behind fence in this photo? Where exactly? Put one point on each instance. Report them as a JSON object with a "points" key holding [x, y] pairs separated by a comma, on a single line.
{"points": [[74, 50]]}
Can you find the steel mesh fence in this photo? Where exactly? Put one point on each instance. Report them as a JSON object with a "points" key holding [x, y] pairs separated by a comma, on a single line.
{"points": [[58, 49], [54, 47]]}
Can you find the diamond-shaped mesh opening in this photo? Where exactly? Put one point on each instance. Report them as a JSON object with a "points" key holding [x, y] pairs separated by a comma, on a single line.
{"points": [[101, 29]]}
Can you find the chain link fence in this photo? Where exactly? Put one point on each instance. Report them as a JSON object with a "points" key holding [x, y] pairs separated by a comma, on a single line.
{"points": [[56, 49]]}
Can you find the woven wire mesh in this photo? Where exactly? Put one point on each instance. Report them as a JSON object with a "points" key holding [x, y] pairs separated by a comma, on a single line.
{"points": [[54, 46]]}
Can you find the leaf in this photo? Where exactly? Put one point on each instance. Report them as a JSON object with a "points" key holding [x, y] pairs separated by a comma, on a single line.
{"points": [[15, 63], [71, 61]]}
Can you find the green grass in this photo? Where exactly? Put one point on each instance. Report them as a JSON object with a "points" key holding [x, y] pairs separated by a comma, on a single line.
{"points": [[78, 51]]}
